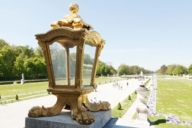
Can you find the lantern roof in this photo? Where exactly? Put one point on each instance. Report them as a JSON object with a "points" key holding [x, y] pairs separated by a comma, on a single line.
{"points": [[73, 26]]}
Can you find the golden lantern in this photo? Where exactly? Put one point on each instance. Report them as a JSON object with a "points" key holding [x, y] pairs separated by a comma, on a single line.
{"points": [[71, 51]]}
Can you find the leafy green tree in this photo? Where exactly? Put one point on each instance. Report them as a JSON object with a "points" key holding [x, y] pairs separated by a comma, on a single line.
{"points": [[7, 59], [35, 68], [39, 68], [190, 69], [30, 62], [135, 69], [179, 70], [99, 69], [3, 43], [131, 70], [123, 69], [163, 69], [23, 51], [19, 65], [38, 52], [103, 69], [1, 66], [15, 60], [29, 68], [176, 70], [170, 69], [112, 70]]}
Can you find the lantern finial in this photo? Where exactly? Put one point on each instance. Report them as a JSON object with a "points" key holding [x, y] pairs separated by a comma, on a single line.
{"points": [[73, 20], [74, 8]]}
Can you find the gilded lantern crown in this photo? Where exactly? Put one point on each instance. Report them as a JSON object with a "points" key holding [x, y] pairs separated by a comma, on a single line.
{"points": [[73, 20]]}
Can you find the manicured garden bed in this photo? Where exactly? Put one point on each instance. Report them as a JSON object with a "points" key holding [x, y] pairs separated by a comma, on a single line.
{"points": [[122, 107]]}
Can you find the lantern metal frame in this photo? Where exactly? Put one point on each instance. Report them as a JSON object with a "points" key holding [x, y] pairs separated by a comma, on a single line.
{"points": [[74, 96]]}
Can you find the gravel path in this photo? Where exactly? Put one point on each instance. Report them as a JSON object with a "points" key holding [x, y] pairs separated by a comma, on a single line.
{"points": [[152, 97], [115, 92], [13, 115]]}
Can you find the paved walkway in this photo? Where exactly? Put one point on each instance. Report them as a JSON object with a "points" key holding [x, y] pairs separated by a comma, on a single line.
{"points": [[115, 92], [13, 115]]}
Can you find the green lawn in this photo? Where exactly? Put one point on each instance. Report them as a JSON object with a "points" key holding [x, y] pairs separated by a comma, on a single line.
{"points": [[21, 89], [172, 126], [10, 91], [102, 80], [174, 96]]}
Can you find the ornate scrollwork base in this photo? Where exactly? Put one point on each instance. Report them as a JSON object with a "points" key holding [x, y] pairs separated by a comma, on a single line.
{"points": [[96, 106], [79, 105]]}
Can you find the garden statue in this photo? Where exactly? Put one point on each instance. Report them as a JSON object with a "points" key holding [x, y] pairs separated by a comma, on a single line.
{"points": [[22, 79]]}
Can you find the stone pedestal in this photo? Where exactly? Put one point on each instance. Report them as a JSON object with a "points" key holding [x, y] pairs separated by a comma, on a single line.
{"points": [[64, 120]]}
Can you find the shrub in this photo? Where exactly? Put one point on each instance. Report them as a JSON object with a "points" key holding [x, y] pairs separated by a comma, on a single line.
{"points": [[119, 106], [129, 98], [17, 97]]}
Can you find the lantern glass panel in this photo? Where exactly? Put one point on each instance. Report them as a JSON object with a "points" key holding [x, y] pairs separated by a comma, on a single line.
{"points": [[72, 64], [89, 57], [58, 58], [64, 71]]}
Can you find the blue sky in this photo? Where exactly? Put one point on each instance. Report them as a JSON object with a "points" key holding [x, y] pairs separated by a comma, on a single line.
{"points": [[148, 33]]}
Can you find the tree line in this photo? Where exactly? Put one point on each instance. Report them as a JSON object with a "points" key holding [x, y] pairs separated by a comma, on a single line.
{"points": [[15, 60], [175, 69], [131, 70]]}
